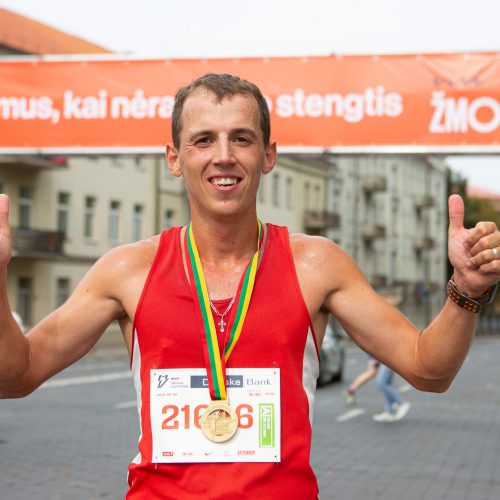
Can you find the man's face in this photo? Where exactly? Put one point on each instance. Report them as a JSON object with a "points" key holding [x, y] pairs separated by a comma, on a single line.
{"points": [[221, 153]]}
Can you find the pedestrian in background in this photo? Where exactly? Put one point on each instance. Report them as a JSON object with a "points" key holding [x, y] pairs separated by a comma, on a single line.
{"points": [[395, 408], [362, 379]]}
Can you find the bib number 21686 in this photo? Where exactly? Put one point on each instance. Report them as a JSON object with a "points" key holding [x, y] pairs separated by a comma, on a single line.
{"points": [[179, 398]]}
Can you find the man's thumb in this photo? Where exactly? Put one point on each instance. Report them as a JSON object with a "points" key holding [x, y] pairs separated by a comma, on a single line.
{"points": [[456, 211], [4, 210]]}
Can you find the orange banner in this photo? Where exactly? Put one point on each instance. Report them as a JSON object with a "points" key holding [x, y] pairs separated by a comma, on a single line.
{"points": [[403, 103]]}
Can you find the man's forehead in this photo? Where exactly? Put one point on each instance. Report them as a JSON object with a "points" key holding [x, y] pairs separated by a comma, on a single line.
{"points": [[203, 96], [204, 106]]}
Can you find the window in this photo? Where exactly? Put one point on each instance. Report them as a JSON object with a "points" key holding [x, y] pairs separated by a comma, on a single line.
{"points": [[276, 190], [288, 193], [317, 197], [62, 291], [89, 218], [137, 223], [114, 222], [25, 299], [168, 219], [62, 212], [307, 196], [25, 206]]}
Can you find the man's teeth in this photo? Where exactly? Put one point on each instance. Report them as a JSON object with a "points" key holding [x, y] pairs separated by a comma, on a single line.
{"points": [[225, 181]]}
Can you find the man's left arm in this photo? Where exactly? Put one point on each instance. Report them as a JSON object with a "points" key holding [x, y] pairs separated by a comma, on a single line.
{"points": [[431, 358]]}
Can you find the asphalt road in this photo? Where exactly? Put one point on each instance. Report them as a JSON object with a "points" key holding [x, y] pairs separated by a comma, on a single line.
{"points": [[74, 437]]}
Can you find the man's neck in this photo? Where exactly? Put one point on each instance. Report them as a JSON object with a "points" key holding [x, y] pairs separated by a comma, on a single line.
{"points": [[223, 241], [225, 249]]}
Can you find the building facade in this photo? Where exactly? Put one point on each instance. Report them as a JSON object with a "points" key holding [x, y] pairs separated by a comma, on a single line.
{"points": [[388, 212]]}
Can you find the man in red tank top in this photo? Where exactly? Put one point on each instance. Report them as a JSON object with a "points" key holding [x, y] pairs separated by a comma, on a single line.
{"points": [[223, 319]]}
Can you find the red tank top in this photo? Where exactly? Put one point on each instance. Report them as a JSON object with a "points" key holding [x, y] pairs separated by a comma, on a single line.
{"points": [[277, 331]]}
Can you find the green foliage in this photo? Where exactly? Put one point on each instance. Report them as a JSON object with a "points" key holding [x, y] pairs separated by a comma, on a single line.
{"points": [[477, 210]]}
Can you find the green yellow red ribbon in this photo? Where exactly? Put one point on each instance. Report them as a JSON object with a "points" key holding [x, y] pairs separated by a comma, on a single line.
{"points": [[216, 365]]}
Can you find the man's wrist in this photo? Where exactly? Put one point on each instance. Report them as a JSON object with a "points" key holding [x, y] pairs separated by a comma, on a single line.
{"points": [[472, 303], [463, 288]]}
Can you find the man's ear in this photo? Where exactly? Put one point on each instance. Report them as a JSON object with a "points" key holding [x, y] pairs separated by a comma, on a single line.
{"points": [[172, 157], [271, 153]]}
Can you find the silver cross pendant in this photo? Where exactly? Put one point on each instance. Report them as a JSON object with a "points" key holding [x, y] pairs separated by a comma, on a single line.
{"points": [[222, 324]]}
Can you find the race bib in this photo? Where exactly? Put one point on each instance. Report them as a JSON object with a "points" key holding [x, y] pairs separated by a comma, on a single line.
{"points": [[179, 397]]}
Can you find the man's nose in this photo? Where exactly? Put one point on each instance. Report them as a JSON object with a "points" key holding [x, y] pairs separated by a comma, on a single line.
{"points": [[223, 153]]}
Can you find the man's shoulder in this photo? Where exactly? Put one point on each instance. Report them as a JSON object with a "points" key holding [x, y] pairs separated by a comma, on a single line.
{"points": [[137, 247], [301, 238], [315, 251], [131, 256], [308, 242]]}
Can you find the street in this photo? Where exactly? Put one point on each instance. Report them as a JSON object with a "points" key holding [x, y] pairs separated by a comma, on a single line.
{"points": [[74, 437]]}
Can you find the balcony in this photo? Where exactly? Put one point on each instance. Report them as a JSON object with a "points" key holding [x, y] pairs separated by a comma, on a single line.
{"points": [[425, 201], [33, 162], [372, 184], [370, 232], [321, 219], [34, 243], [422, 243]]}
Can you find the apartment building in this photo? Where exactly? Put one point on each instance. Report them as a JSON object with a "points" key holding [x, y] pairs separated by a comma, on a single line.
{"points": [[294, 195], [67, 212], [394, 224], [388, 212]]}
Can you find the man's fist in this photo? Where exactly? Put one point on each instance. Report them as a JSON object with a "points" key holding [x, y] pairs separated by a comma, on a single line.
{"points": [[472, 252]]}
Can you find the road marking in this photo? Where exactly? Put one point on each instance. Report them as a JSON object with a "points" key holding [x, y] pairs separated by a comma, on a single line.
{"points": [[88, 379], [93, 366], [125, 404], [355, 412]]}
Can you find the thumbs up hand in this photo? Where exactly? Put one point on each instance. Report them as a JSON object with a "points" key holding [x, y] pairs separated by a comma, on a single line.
{"points": [[5, 234], [474, 253]]}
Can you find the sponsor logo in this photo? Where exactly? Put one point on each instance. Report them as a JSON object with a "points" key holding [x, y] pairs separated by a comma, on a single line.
{"points": [[266, 425], [201, 381], [168, 453], [454, 115], [260, 381], [246, 452], [162, 380]]}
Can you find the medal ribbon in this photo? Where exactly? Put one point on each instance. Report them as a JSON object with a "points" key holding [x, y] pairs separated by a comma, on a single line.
{"points": [[216, 367]]}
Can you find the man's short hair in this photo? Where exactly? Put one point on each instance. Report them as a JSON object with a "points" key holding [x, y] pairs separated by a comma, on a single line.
{"points": [[222, 86]]}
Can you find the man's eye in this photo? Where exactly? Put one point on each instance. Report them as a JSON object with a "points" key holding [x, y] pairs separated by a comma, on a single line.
{"points": [[242, 139], [203, 141]]}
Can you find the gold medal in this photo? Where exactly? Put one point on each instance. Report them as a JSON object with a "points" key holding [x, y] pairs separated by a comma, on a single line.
{"points": [[219, 422]]}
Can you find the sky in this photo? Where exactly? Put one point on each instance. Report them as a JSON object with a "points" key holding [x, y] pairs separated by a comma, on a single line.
{"points": [[238, 28]]}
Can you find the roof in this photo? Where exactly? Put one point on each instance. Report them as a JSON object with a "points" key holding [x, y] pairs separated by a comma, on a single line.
{"points": [[484, 194], [32, 37]]}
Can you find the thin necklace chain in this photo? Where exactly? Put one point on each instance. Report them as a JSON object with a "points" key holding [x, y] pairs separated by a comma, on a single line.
{"points": [[222, 323]]}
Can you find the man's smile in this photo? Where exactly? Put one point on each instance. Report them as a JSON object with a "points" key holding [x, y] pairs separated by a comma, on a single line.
{"points": [[224, 181]]}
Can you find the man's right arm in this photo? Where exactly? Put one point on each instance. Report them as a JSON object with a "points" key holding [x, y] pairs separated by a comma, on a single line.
{"points": [[65, 335]]}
